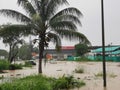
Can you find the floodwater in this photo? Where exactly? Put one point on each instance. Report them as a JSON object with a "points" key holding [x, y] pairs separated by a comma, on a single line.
{"points": [[91, 70]]}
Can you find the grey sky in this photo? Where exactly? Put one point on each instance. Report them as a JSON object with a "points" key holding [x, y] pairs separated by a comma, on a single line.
{"points": [[91, 20]]}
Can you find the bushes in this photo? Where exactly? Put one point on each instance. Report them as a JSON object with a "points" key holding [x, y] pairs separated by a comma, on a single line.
{"points": [[29, 63], [82, 59], [15, 66], [79, 70], [4, 65], [28, 83], [39, 82]]}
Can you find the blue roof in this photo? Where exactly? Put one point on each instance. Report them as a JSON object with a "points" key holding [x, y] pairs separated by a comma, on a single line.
{"points": [[116, 52], [107, 49]]}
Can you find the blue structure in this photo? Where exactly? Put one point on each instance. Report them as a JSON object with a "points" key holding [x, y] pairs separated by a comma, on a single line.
{"points": [[112, 53]]}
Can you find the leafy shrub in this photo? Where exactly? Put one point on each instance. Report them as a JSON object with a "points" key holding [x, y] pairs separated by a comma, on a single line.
{"points": [[82, 59], [29, 63], [15, 66], [66, 83], [39, 82], [79, 70], [4, 65], [28, 83], [99, 74]]}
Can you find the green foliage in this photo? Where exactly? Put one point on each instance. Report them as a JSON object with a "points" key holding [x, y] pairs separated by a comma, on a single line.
{"points": [[3, 53], [82, 59], [25, 52], [112, 75], [27, 64], [81, 49], [4, 65], [45, 21], [79, 70], [15, 66], [40, 82], [28, 83], [67, 83], [99, 74]]}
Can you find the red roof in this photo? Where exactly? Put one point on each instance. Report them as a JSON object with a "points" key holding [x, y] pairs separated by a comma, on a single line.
{"points": [[68, 47]]}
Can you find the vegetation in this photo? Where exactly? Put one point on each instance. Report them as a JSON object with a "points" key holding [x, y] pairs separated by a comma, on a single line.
{"points": [[11, 37], [29, 64], [45, 21], [3, 53], [99, 74], [82, 59], [4, 65], [25, 52], [81, 49], [15, 66], [112, 75], [39, 82], [79, 70]]}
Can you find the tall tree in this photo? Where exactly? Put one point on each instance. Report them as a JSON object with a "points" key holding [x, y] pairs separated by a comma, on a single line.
{"points": [[12, 38], [49, 24]]}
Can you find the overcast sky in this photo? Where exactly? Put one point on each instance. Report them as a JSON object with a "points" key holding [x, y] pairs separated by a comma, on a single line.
{"points": [[91, 20]]}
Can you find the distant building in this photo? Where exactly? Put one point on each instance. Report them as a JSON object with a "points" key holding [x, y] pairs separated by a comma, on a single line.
{"points": [[111, 53], [63, 54]]}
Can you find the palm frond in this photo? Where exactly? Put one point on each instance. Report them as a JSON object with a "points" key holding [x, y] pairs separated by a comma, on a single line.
{"points": [[72, 35], [16, 15], [15, 29], [71, 18], [55, 39], [63, 25], [68, 11], [53, 5], [36, 4], [28, 7]]}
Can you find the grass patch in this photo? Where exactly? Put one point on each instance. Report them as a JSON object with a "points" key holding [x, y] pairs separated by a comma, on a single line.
{"points": [[79, 70], [82, 59], [99, 74], [112, 75], [40, 82], [15, 66]]}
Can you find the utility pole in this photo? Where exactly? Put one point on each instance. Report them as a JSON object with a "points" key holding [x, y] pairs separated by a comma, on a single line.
{"points": [[103, 44]]}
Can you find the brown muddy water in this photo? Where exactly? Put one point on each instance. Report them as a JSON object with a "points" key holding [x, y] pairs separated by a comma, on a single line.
{"points": [[92, 75]]}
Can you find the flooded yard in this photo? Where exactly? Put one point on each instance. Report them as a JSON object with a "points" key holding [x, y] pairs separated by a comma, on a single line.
{"points": [[92, 74]]}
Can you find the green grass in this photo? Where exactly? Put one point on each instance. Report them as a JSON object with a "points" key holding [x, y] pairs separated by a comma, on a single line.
{"points": [[99, 74], [79, 70], [40, 82], [112, 75]]}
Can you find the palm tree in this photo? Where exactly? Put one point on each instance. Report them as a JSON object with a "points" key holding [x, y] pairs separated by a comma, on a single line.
{"points": [[46, 22]]}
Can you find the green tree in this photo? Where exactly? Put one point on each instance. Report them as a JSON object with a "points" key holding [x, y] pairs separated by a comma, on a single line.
{"points": [[12, 38], [3, 53], [81, 49], [45, 21], [25, 52]]}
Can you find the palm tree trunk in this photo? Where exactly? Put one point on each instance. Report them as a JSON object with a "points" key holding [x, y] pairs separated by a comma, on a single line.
{"points": [[41, 50]]}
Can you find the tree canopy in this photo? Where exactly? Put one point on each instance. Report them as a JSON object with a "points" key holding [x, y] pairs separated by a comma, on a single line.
{"points": [[43, 19]]}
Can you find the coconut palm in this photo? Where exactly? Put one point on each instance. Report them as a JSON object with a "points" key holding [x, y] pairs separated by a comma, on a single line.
{"points": [[48, 23]]}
